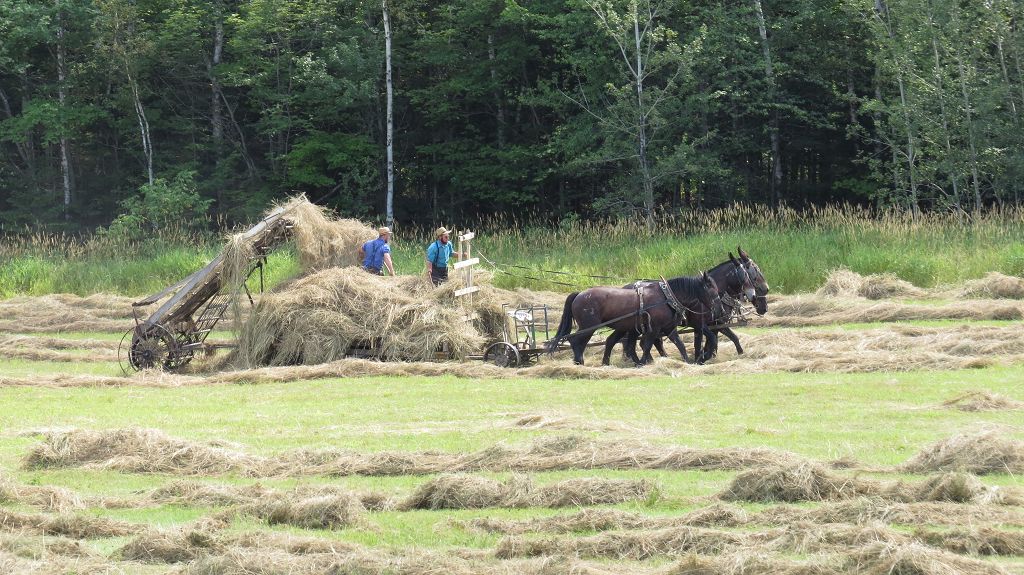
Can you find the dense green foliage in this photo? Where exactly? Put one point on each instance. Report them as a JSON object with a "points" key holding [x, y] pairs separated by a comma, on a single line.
{"points": [[796, 250], [524, 105]]}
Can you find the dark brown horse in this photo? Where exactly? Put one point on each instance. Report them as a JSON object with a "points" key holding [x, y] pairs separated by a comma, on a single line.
{"points": [[738, 280], [733, 283], [645, 310]]}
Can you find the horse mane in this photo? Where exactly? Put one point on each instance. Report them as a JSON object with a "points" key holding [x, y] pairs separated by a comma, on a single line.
{"points": [[720, 266], [691, 287]]}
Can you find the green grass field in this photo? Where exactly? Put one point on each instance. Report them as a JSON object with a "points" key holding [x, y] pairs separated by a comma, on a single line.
{"points": [[851, 402]]}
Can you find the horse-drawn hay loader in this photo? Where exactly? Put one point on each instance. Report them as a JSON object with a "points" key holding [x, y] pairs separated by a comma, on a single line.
{"points": [[170, 337]]}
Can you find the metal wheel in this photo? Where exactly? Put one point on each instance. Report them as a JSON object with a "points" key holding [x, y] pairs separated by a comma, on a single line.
{"points": [[502, 354], [152, 346]]}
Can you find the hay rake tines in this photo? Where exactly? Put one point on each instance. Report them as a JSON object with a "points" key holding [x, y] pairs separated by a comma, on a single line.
{"points": [[170, 336]]}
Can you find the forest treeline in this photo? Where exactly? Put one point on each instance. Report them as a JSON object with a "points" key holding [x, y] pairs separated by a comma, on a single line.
{"points": [[549, 109]]}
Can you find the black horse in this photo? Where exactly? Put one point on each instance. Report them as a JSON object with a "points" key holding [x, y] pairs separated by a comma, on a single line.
{"points": [[644, 310], [758, 296], [733, 281]]}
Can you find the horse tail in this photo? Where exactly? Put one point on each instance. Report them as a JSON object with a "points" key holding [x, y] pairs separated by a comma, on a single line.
{"points": [[566, 324]]}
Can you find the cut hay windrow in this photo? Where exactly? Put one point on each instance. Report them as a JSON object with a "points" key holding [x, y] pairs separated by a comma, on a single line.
{"points": [[983, 401], [46, 497], [137, 450], [625, 545], [810, 481], [975, 541], [589, 520], [989, 451], [65, 313], [460, 491], [812, 310], [324, 511], [830, 350], [915, 559], [869, 510], [43, 547], [66, 524]]}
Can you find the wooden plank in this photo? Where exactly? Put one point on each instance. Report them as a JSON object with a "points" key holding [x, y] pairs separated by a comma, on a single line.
{"points": [[466, 236], [466, 263], [466, 290]]}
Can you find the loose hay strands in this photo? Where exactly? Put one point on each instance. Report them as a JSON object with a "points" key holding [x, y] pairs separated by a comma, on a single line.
{"points": [[43, 496], [152, 451], [874, 509], [983, 401], [459, 491], [983, 452], [36, 348]]}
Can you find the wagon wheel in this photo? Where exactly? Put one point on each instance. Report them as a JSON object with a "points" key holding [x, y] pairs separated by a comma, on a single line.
{"points": [[152, 346], [502, 354]]}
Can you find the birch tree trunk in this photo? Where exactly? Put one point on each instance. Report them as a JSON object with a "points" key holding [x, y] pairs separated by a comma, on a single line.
{"points": [[773, 120], [140, 113], [216, 114], [65, 153], [641, 123], [389, 209]]}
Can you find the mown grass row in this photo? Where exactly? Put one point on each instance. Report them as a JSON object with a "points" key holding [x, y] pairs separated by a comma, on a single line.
{"points": [[795, 249]]}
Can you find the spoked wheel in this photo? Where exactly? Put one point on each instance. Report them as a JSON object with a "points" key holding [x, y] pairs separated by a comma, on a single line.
{"points": [[151, 346], [502, 354]]}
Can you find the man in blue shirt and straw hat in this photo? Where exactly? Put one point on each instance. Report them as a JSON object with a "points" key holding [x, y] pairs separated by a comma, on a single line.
{"points": [[438, 254]]}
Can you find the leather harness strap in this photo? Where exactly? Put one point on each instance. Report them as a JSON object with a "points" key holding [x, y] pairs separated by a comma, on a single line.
{"points": [[670, 299]]}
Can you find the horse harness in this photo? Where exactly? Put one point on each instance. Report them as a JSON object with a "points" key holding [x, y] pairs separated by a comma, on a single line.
{"points": [[645, 323]]}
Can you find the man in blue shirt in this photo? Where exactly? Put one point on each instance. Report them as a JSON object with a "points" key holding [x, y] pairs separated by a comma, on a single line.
{"points": [[438, 254], [377, 254]]}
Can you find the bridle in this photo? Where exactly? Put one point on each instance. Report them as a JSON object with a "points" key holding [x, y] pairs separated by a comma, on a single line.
{"points": [[763, 298]]}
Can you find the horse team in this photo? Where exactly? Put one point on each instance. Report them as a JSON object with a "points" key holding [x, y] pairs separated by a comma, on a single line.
{"points": [[651, 309]]}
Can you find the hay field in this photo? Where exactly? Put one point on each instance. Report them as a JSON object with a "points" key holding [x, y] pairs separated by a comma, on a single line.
{"points": [[871, 427]]}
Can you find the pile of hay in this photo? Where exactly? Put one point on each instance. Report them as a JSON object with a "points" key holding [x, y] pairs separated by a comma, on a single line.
{"points": [[845, 283], [984, 452], [993, 285], [324, 316], [65, 313], [983, 401], [805, 481], [459, 491]]}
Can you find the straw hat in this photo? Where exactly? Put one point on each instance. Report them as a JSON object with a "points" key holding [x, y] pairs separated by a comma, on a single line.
{"points": [[441, 231], [383, 230]]}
